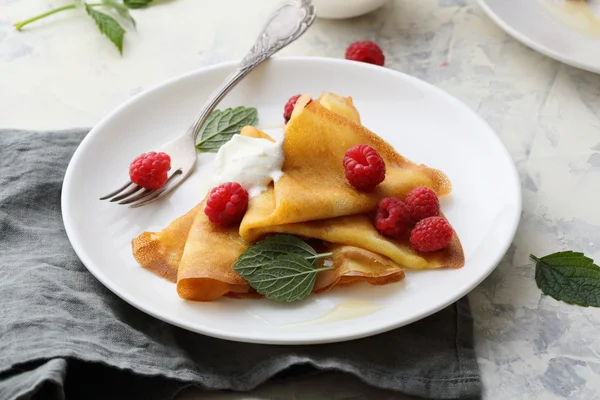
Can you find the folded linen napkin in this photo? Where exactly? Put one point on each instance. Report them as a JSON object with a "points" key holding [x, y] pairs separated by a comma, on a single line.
{"points": [[64, 335]]}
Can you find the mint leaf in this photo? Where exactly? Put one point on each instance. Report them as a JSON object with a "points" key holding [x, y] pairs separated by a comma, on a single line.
{"points": [[267, 250], [137, 3], [282, 244], [281, 267], [570, 277], [287, 278], [220, 127], [108, 26], [121, 9]]}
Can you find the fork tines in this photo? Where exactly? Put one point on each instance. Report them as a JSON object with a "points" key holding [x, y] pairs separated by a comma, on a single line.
{"points": [[136, 196]]}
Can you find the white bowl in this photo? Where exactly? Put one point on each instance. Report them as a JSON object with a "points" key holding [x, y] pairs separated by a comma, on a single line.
{"points": [[340, 9]]}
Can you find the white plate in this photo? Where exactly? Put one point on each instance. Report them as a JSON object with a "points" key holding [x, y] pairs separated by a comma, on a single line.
{"points": [[550, 28], [424, 123]]}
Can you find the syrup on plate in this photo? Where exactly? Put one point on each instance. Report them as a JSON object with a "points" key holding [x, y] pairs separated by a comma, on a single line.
{"points": [[343, 311], [576, 14]]}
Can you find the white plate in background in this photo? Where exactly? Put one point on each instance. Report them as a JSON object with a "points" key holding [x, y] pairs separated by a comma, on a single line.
{"points": [[566, 30], [424, 123]]}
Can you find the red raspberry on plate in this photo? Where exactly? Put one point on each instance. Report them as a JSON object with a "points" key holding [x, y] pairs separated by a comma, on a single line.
{"points": [[393, 217], [149, 170], [431, 234], [365, 51], [364, 167], [227, 203], [289, 107], [423, 203]]}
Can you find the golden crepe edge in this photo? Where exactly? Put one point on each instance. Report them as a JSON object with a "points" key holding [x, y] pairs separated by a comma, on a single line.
{"points": [[170, 254], [161, 252], [358, 229], [158, 251], [196, 282], [314, 186]]}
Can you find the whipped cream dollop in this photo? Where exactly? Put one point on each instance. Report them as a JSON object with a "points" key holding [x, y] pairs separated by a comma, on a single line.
{"points": [[251, 162]]}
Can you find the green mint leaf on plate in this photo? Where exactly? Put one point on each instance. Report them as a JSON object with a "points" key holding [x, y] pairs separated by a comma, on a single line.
{"points": [[121, 9], [108, 26], [285, 244], [280, 267], [267, 250], [220, 127], [290, 277], [137, 3], [570, 277]]}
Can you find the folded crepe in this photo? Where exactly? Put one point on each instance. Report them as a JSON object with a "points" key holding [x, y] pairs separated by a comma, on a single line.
{"points": [[359, 231], [355, 265], [314, 185], [312, 200], [161, 252], [199, 257]]}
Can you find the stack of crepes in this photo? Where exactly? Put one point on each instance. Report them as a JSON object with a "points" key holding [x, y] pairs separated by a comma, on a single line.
{"points": [[312, 200]]}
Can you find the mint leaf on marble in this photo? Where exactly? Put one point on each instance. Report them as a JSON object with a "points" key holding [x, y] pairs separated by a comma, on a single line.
{"points": [[137, 3], [108, 26], [570, 277], [220, 127], [121, 9]]}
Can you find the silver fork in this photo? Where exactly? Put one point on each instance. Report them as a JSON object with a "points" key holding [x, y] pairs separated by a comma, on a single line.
{"points": [[284, 26]]}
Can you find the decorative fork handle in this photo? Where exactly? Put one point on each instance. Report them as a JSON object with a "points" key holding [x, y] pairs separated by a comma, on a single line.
{"points": [[284, 26]]}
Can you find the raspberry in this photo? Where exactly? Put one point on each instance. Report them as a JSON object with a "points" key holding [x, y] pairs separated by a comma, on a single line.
{"points": [[227, 203], [393, 217], [365, 51], [431, 234], [365, 168], [423, 203], [289, 107], [150, 170]]}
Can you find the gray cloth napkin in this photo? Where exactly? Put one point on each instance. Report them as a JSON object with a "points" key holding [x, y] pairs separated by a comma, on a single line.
{"points": [[64, 335]]}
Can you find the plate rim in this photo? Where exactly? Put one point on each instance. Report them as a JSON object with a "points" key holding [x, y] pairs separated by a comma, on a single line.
{"points": [[96, 271], [544, 50]]}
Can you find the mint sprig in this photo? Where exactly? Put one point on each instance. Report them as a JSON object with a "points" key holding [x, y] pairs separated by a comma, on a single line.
{"points": [[221, 125], [570, 277], [290, 277], [267, 250], [280, 267], [109, 25], [121, 9], [137, 3]]}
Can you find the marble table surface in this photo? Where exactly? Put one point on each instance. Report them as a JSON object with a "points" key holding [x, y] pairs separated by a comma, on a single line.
{"points": [[61, 73]]}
